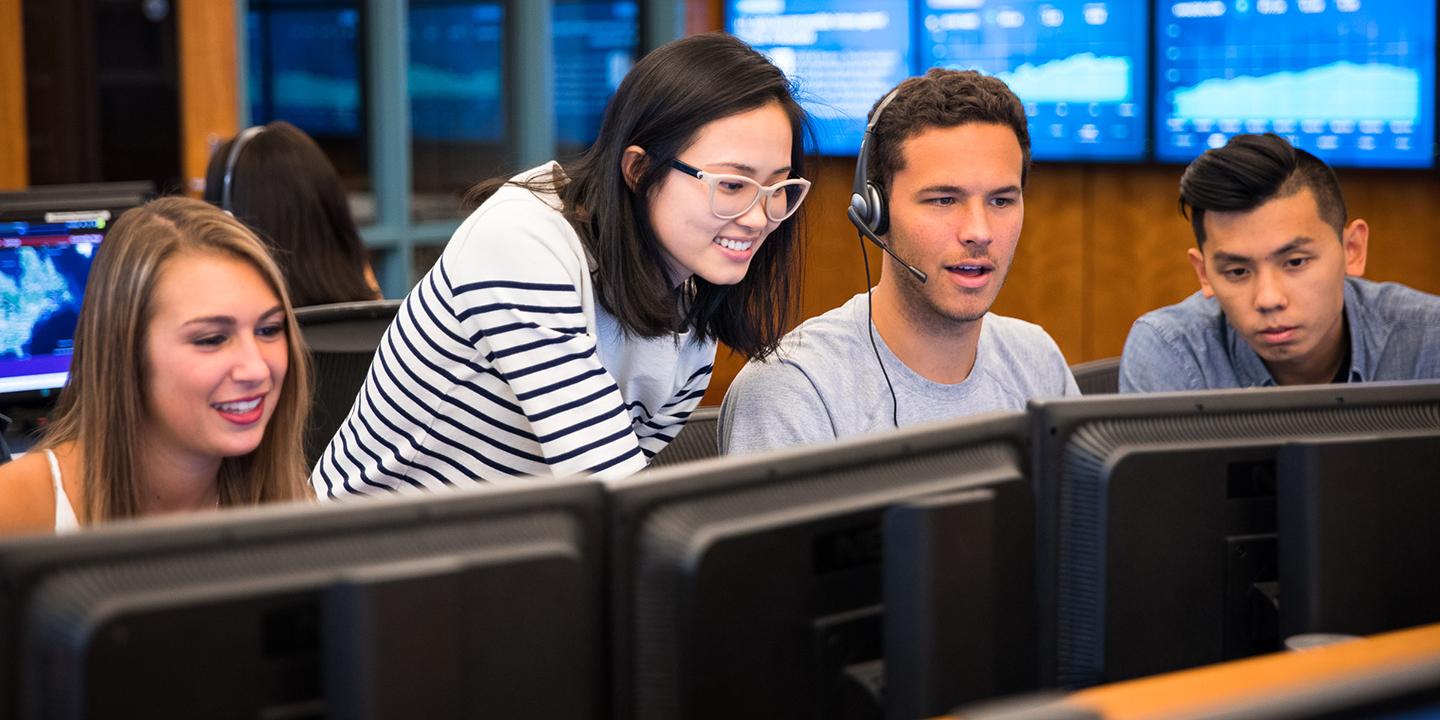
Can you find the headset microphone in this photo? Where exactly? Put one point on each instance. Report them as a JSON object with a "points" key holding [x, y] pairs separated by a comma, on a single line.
{"points": [[865, 230], [867, 211]]}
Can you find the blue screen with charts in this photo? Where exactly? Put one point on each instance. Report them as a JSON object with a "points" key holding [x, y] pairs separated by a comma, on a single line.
{"points": [[1352, 81], [842, 56], [1079, 66], [595, 45], [44, 264]]}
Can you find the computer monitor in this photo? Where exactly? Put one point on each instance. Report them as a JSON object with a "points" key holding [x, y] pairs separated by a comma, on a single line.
{"points": [[485, 603], [48, 239], [775, 585], [1081, 68], [1358, 533], [1157, 517], [1351, 81]]}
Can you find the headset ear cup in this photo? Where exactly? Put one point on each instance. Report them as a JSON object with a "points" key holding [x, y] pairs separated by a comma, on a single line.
{"points": [[879, 216]]}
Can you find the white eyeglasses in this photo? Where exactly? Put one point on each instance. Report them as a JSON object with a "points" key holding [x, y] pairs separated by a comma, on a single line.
{"points": [[733, 195]]}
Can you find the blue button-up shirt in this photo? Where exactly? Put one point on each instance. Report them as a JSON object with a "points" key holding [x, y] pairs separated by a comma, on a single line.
{"points": [[1394, 335]]}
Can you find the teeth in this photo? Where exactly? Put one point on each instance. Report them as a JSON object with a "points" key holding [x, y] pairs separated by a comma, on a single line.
{"points": [[734, 244], [237, 407]]}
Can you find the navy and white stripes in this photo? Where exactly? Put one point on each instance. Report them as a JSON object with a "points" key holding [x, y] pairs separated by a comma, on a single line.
{"points": [[501, 365]]}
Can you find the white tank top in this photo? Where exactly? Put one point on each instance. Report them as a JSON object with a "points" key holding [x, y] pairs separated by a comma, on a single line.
{"points": [[65, 520]]}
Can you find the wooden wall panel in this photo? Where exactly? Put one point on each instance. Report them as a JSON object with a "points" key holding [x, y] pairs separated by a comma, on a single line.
{"points": [[1135, 245], [1050, 261], [209, 104], [14, 156], [1403, 210]]}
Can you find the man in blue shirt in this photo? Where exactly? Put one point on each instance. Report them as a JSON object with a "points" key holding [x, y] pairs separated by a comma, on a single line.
{"points": [[1281, 300]]}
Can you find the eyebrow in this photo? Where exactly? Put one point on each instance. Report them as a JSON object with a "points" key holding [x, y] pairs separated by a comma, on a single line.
{"points": [[1289, 247], [957, 190], [226, 319]]}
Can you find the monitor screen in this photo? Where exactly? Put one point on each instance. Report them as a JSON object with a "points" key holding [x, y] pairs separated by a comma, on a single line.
{"points": [[486, 603], [786, 584], [1079, 66], [1156, 508], [48, 239], [841, 55], [1352, 81], [595, 45], [457, 70], [304, 66]]}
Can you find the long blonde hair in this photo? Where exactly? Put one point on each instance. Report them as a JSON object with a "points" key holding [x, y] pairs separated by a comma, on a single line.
{"points": [[102, 408]]}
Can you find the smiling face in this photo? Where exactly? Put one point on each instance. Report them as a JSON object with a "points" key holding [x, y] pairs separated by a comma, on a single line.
{"points": [[693, 241], [215, 357], [956, 210], [1278, 272]]}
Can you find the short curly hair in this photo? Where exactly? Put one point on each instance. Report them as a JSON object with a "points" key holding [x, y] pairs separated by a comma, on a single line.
{"points": [[940, 99]]}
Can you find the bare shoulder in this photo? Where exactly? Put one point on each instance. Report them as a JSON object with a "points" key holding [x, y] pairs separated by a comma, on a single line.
{"points": [[27, 497]]}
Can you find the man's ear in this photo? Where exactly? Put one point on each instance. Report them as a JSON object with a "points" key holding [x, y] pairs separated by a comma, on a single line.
{"points": [[1197, 261], [1356, 241], [632, 164]]}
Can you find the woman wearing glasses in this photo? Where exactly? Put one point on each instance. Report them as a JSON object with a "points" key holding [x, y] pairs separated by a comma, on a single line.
{"points": [[570, 325]]}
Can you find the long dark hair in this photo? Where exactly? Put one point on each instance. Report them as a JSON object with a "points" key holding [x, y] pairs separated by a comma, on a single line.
{"points": [[285, 189], [660, 106]]}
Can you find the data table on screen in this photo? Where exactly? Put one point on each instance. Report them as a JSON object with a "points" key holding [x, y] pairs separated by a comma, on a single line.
{"points": [[1350, 80]]}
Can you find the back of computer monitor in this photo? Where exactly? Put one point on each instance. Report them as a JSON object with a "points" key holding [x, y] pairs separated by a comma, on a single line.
{"points": [[1156, 518], [449, 606], [1359, 533], [752, 586]]}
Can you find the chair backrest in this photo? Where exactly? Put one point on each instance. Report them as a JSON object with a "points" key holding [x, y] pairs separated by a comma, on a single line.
{"points": [[1097, 377], [342, 338], [698, 440]]}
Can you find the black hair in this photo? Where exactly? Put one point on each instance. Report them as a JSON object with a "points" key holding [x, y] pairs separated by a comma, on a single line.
{"points": [[660, 106], [286, 191], [1252, 170], [943, 98]]}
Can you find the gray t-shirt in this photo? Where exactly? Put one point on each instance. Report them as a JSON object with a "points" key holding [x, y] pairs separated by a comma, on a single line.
{"points": [[824, 383]]}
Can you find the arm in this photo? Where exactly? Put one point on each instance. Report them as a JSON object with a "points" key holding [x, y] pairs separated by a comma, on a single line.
{"points": [[1151, 363], [772, 405], [518, 296]]}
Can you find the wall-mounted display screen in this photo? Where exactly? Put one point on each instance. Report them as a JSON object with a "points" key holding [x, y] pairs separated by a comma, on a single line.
{"points": [[305, 66], [841, 54], [595, 45], [1352, 81], [456, 73], [1079, 66]]}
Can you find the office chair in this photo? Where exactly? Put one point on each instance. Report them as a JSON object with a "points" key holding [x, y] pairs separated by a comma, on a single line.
{"points": [[342, 338], [1097, 377], [698, 440]]}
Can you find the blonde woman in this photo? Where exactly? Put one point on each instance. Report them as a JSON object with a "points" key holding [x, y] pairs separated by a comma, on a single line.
{"points": [[188, 390]]}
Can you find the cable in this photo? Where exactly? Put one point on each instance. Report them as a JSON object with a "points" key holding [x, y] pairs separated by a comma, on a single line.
{"points": [[870, 324]]}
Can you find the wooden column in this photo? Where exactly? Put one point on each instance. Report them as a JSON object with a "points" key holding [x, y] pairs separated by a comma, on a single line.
{"points": [[209, 101], [14, 148]]}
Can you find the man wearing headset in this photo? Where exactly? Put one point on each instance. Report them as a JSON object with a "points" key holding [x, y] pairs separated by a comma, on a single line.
{"points": [[939, 186]]}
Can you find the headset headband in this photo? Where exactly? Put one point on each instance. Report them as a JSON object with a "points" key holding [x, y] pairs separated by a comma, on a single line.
{"points": [[229, 178]]}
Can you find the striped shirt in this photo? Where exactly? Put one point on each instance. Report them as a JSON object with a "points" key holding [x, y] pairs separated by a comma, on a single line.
{"points": [[501, 365]]}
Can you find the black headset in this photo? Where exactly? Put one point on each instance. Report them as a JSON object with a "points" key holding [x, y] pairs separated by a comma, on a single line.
{"points": [[868, 211], [245, 136]]}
